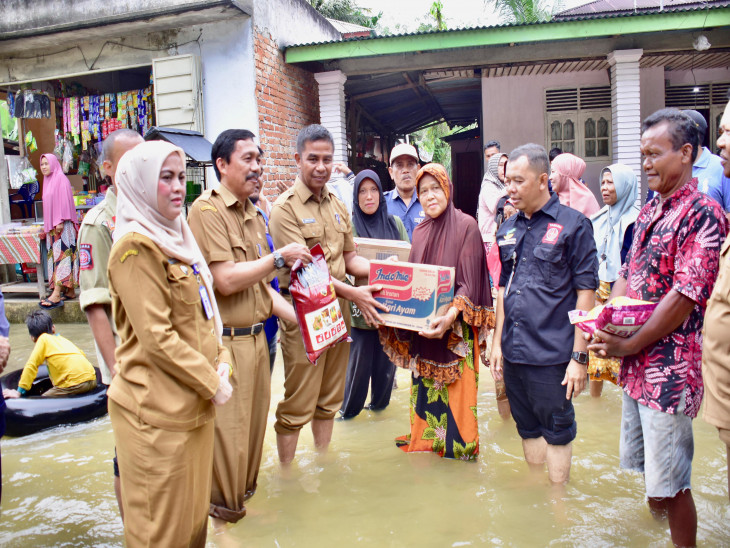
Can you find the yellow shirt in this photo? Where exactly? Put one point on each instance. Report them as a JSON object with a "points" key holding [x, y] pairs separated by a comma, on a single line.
{"points": [[67, 364]]}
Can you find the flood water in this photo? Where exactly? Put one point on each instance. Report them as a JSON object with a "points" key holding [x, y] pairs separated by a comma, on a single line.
{"points": [[57, 485]]}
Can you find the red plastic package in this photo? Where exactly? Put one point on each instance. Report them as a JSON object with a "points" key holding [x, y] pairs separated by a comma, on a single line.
{"points": [[317, 308]]}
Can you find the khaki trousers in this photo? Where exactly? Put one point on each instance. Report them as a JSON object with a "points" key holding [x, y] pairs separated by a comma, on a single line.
{"points": [[81, 388], [165, 479], [310, 391], [240, 426]]}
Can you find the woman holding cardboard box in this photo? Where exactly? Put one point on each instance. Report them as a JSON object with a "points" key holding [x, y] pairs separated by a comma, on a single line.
{"points": [[444, 359], [368, 365]]}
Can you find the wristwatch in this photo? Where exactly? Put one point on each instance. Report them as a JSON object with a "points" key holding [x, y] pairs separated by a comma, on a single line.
{"points": [[279, 261], [580, 357]]}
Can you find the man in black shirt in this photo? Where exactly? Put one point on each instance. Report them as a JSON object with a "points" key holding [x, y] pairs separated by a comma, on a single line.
{"points": [[549, 267]]}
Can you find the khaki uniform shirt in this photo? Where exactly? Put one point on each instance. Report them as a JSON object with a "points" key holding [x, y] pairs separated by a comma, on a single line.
{"points": [[228, 230], [94, 246], [716, 347], [168, 355], [297, 216]]}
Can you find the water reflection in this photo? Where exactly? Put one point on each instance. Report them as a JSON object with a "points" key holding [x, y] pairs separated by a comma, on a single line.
{"points": [[58, 491]]}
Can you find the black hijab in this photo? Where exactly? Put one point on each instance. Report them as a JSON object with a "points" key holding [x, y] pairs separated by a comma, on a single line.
{"points": [[379, 224]]}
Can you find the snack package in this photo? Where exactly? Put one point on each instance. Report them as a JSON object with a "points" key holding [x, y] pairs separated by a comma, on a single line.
{"points": [[620, 316], [317, 308]]}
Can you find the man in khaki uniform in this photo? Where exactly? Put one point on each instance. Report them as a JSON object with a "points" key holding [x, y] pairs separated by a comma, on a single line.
{"points": [[308, 213], [231, 234], [716, 342], [95, 244]]}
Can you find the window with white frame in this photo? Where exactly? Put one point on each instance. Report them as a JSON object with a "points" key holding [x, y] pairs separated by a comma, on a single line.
{"points": [[579, 121]]}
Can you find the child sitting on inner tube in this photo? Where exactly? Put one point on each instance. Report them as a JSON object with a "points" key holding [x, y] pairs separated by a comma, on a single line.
{"points": [[68, 368]]}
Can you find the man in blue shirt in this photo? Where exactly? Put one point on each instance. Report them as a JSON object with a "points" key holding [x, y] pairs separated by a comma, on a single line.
{"points": [[549, 267], [403, 200], [707, 167]]}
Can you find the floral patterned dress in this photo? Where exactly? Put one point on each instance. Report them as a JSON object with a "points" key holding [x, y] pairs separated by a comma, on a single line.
{"points": [[62, 260], [444, 415]]}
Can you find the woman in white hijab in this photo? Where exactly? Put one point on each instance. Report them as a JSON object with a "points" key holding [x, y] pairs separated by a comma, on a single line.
{"points": [[613, 230], [171, 367]]}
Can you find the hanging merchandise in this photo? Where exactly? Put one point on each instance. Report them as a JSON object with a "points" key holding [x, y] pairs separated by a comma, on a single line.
{"points": [[68, 156], [24, 173], [32, 104], [93, 117], [30, 142]]}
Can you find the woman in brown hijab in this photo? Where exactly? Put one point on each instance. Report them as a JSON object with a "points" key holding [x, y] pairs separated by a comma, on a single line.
{"points": [[444, 360]]}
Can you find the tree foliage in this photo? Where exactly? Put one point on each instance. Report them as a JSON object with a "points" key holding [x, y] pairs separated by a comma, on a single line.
{"points": [[346, 10], [526, 11]]}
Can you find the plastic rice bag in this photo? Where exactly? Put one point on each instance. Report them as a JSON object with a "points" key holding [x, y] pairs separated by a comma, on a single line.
{"points": [[317, 308], [620, 316]]}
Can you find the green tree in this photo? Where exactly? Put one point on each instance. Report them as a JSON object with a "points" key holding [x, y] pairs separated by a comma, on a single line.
{"points": [[526, 11], [346, 10]]}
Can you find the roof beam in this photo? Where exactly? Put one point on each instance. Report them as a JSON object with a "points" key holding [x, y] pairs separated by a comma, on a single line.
{"points": [[512, 34]]}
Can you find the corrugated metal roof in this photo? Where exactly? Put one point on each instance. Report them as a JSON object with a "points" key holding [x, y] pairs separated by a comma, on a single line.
{"points": [[694, 6], [638, 7]]}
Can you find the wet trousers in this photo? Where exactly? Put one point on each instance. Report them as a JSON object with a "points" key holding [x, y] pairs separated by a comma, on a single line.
{"points": [[368, 367], [240, 426], [310, 391], [165, 476]]}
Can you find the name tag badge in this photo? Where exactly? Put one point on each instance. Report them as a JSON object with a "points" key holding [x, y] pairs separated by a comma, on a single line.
{"points": [[308, 221], [205, 299]]}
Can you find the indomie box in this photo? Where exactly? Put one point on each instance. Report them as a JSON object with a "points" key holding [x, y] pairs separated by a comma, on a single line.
{"points": [[414, 294], [374, 249]]}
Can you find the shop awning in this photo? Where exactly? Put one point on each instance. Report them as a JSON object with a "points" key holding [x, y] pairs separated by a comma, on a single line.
{"points": [[197, 147]]}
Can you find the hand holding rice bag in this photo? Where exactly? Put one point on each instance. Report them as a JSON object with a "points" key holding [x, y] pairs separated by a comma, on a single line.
{"points": [[317, 308], [620, 316]]}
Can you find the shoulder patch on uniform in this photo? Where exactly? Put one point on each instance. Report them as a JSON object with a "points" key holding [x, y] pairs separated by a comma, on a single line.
{"points": [[208, 208], [128, 253], [86, 260]]}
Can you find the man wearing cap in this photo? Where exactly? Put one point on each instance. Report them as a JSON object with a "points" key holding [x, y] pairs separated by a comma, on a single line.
{"points": [[402, 200], [707, 167]]}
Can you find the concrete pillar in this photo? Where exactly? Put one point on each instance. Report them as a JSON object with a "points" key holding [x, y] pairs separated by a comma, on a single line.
{"points": [[626, 108], [332, 109]]}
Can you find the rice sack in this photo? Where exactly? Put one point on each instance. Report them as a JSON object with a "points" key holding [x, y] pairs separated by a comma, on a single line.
{"points": [[620, 316], [317, 308]]}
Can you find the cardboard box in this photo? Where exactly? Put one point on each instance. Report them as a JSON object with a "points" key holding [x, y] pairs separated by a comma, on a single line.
{"points": [[373, 249], [414, 294]]}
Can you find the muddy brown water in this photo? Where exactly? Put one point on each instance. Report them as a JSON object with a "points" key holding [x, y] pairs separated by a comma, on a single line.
{"points": [[57, 485]]}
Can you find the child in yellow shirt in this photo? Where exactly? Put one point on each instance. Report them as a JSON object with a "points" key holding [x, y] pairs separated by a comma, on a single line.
{"points": [[70, 371]]}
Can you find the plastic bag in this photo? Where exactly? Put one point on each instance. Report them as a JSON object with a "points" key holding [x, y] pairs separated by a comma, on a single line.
{"points": [[30, 143], [317, 308], [620, 316], [68, 156], [24, 173]]}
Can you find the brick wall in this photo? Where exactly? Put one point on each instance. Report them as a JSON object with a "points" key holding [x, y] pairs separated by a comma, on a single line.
{"points": [[287, 101]]}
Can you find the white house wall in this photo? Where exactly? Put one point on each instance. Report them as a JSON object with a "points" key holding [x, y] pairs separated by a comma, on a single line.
{"points": [[293, 22]]}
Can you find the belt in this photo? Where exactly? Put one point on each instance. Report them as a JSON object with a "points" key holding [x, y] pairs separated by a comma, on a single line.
{"points": [[284, 291], [243, 331]]}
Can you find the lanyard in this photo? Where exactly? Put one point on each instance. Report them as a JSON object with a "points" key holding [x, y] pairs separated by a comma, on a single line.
{"points": [[204, 297]]}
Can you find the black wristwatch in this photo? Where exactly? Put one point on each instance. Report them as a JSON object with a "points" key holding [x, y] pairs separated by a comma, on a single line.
{"points": [[580, 357], [279, 261]]}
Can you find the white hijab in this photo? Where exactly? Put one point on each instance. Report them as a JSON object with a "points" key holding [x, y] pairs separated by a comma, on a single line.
{"points": [[137, 176]]}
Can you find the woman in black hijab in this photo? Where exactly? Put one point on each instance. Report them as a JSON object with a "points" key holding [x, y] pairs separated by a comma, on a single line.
{"points": [[369, 366]]}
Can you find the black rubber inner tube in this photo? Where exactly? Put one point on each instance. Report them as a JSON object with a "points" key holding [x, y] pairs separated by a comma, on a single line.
{"points": [[33, 412]]}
